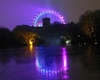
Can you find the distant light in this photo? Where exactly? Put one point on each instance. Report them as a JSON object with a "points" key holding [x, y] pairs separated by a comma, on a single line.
{"points": [[52, 11], [84, 43], [68, 41], [78, 35], [30, 42], [62, 17], [96, 43], [63, 20]]}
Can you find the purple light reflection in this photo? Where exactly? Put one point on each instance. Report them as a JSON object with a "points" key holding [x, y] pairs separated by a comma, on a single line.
{"points": [[55, 68], [65, 66], [45, 70]]}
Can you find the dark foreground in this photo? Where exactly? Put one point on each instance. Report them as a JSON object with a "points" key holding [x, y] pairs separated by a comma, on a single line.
{"points": [[50, 63]]}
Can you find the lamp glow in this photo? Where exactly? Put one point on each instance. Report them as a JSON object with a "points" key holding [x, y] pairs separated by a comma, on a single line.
{"points": [[30, 43]]}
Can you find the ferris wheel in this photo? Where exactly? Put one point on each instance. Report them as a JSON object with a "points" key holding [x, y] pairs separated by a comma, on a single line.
{"points": [[36, 21]]}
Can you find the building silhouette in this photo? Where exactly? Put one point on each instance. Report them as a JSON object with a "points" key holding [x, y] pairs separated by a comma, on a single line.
{"points": [[46, 22]]}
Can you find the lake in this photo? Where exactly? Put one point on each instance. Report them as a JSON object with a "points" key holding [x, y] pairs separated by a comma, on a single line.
{"points": [[53, 62]]}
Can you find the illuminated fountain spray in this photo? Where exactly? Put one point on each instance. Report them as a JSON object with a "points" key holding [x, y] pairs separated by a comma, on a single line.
{"points": [[37, 23]]}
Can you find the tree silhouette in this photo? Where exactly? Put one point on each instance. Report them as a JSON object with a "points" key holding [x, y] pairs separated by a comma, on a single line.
{"points": [[24, 34], [87, 22]]}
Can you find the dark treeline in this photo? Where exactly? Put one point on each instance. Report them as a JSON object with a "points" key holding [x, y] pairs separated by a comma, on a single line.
{"points": [[87, 30], [8, 39], [89, 24], [21, 35]]}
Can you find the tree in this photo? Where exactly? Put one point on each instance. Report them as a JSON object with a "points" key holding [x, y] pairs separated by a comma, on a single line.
{"points": [[97, 19], [87, 22], [24, 34], [5, 37], [97, 24]]}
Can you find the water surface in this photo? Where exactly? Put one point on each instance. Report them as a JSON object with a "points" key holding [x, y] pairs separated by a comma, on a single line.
{"points": [[50, 63]]}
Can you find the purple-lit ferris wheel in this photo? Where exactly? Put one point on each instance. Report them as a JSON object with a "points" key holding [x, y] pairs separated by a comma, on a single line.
{"points": [[36, 21]]}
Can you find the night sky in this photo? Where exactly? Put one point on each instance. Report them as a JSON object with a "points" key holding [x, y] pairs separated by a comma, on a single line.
{"points": [[17, 12]]}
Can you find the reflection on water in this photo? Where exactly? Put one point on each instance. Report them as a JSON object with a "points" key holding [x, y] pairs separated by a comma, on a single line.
{"points": [[50, 63], [65, 65], [89, 56]]}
